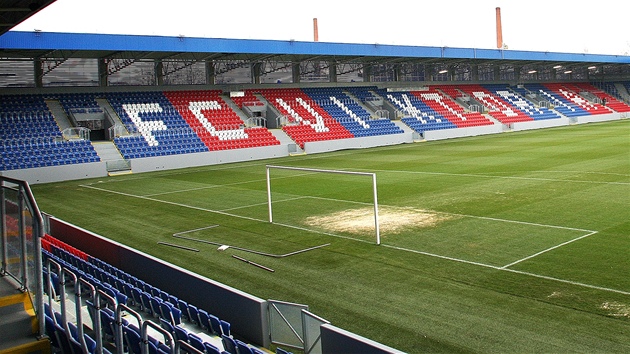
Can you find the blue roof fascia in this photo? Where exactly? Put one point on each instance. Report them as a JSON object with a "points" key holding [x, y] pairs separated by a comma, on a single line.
{"points": [[116, 42]]}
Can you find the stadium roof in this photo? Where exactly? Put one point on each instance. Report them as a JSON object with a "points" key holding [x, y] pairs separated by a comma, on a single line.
{"points": [[13, 12], [52, 45]]}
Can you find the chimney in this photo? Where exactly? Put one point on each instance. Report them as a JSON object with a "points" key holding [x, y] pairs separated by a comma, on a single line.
{"points": [[499, 29], [315, 31]]}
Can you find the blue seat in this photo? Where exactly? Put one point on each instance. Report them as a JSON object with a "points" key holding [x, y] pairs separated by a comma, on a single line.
{"points": [[215, 325], [196, 342], [108, 323], [211, 349], [229, 345], [49, 325], [242, 347], [181, 333], [136, 295], [225, 327], [183, 307], [193, 314], [166, 325], [165, 311], [132, 339], [90, 343], [204, 321], [156, 307]]}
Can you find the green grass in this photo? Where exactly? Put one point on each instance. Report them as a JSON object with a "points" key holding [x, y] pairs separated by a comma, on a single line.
{"points": [[529, 252]]}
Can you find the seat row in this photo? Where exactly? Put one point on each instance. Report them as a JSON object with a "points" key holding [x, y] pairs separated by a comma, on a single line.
{"points": [[172, 314]]}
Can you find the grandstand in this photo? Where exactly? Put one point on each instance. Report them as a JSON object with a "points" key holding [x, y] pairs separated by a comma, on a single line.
{"points": [[100, 296]]}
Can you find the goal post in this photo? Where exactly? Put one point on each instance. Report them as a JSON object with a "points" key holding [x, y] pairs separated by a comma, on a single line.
{"points": [[317, 170]]}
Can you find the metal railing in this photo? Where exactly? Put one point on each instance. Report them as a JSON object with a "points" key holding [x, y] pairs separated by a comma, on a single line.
{"points": [[21, 229]]}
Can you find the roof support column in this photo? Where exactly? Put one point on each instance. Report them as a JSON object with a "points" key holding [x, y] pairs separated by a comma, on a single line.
{"points": [[451, 73], [497, 72], [332, 71], [475, 72], [517, 72], [158, 68], [255, 67], [367, 72], [295, 72], [396, 72], [102, 72], [210, 76], [39, 72], [429, 71]]}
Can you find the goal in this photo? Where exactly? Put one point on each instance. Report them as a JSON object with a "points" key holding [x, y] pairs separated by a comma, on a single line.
{"points": [[316, 170]]}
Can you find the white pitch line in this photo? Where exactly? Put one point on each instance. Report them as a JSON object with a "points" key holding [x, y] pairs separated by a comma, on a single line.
{"points": [[359, 240], [548, 249], [508, 270], [494, 176], [198, 229], [441, 256], [265, 203], [567, 281], [172, 203], [220, 185]]}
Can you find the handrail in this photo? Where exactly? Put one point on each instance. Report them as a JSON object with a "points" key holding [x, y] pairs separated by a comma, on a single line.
{"points": [[145, 336], [62, 283], [31, 279], [78, 293], [119, 322], [118, 342]]}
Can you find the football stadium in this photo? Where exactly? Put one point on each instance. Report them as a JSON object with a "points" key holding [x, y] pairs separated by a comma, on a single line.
{"points": [[177, 194]]}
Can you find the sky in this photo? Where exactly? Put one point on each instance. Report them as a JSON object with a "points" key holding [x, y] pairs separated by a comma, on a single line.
{"points": [[595, 27]]}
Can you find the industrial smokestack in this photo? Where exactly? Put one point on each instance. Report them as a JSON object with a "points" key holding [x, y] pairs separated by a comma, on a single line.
{"points": [[315, 31], [499, 29]]}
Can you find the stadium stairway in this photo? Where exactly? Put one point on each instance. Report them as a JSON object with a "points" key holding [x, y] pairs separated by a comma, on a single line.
{"points": [[107, 108], [109, 153], [59, 114], [18, 323]]}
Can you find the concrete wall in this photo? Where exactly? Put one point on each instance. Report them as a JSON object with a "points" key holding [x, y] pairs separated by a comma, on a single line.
{"points": [[58, 173], [149, 164], [357, 143], [337, 340], [598, 118], [539, 124], [462, 132]]}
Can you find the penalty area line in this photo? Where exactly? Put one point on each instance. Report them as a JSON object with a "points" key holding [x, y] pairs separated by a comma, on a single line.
{"points": [[548, 249], [584, 285]]}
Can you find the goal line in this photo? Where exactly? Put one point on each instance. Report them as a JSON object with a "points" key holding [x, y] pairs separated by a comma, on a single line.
{"points": [[369, 174]]}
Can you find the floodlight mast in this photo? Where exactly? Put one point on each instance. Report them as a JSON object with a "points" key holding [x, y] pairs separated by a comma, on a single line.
{"points": [[375, 194]]}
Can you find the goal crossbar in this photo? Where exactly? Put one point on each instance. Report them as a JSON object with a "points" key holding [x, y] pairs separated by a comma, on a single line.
{"points": [[370, 174]]}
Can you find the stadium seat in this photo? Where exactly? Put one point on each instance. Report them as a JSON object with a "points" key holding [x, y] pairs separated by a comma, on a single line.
{"points": [[180, 333], [211, 349], [196, 342], [229, 345], [183, 307], [132, 338], [193, 314], [204, 320], [242, 347]]}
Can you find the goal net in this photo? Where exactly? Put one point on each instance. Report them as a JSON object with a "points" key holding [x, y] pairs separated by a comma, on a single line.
{"points": [[300, 191]]}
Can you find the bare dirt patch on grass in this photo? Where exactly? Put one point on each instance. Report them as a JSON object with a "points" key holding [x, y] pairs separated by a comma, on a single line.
{"points": [[392, 220], [616, 309]]}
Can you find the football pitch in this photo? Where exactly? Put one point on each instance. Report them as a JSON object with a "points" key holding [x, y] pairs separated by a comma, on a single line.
{"points": [[516, 242]]}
